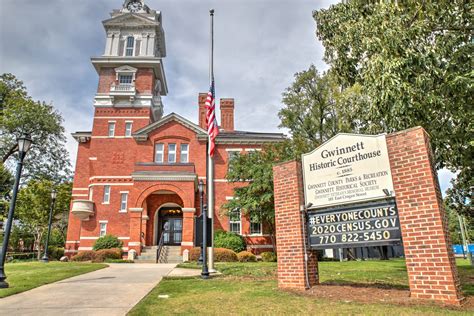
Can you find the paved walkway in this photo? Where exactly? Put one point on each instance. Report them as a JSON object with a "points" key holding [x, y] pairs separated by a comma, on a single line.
{"points": [[109, 291]]}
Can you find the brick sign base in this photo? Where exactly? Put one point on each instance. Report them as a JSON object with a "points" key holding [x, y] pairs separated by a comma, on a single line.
{"points": [[429, 258]]}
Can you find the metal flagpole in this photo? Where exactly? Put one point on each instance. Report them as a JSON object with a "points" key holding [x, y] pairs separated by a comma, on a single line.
{"points": [[210, 194]]}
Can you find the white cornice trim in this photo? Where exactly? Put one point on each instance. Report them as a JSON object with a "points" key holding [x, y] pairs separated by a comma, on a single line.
{"points": [[136, 209], [164, 177], [110, 177], [188, 210], [108, 183], [121, 117]]}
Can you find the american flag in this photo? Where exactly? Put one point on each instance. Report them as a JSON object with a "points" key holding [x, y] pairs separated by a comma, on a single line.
{"points": [[212, 127]]}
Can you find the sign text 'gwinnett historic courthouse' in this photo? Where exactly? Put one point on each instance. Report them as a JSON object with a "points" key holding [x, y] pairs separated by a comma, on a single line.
{"points": [[365, 190]]}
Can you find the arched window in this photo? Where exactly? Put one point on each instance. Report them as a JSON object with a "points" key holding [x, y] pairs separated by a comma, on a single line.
{"points": [[130, 45]]}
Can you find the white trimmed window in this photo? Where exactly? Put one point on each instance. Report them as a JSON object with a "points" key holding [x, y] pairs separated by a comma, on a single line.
{"points": [[234, 222], [232, 154], [255, 228], [103, 229], [130, 45], [171, 153], [159, 152], [125, 79], [106, 199], [111, 129], [184, 154], [123, 201], [128, 129]]}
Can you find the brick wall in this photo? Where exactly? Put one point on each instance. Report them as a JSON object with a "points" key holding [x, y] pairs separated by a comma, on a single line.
{"points": [[227, 114], [430, 262], [202, 110], [111, 161], [290, 241]]}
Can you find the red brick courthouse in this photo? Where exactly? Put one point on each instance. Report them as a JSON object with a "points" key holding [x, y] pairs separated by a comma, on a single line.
{"points": [[137, 171]]}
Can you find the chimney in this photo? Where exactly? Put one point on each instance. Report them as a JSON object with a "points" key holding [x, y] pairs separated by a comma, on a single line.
{"points": [[202, 110], [227, 114]]}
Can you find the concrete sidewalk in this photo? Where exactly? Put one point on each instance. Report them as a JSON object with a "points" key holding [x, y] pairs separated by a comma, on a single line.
{"points": [[109, 291]]}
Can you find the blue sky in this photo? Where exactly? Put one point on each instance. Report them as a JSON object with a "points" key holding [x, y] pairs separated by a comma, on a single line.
{"points": [[259, 45]]}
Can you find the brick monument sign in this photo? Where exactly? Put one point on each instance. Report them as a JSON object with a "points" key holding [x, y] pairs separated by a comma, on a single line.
{"points": [[365, 190]]}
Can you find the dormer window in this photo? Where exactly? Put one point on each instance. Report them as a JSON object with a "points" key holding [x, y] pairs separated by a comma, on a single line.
{"points": [[130, 46], [124, 84], [125, 79]]}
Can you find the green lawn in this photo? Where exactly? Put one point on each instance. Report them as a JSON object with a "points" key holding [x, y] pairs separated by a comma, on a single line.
{"points": [[25, 276], [251, 289]]}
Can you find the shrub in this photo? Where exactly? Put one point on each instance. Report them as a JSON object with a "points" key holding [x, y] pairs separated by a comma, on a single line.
{"points": [[194, 254], [103, 254], [246, 256], [107, 242], [220, 255], [55, 252], [21, 256], [223, 239], [224, 255], [87, 255], [269, 256]]}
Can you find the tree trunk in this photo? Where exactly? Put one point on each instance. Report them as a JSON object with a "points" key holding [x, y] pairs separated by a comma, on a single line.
{"points": [[38, 236], [272, 236]]}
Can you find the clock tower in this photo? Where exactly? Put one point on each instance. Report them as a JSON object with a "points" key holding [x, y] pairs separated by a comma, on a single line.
{"points": [[131, 73]]}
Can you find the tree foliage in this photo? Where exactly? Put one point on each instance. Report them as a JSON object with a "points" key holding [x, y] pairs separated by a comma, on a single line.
{"points": [[413, 63], [6, 181], [315, 109], [48, 157], [33, 205], [254, 174]]}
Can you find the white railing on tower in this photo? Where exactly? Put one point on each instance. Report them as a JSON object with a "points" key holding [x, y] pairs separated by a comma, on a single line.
{"points": [[122, 87]]}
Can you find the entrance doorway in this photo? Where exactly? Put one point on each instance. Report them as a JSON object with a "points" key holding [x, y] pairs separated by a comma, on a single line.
{"points": [[170, 226]]}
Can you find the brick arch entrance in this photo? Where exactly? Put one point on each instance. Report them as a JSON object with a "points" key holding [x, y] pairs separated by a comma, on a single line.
{"points": [[155, 202]]}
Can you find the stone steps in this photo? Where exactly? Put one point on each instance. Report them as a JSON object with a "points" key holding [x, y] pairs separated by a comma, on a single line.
{"points": [[169, 254]]}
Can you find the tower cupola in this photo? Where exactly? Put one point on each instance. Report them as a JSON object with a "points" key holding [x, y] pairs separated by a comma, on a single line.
{"points": [[131, 72]]}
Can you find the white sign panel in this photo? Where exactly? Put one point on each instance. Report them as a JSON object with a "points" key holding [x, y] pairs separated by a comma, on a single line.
{"points": [[346, 169]]}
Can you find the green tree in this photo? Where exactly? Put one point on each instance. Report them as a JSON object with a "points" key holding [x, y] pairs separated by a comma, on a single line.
{"points": [[6, 182], [254, 198], [315, 109], [48, 158], [413, 63], [34, 201], [454, 226], [459, 198]]}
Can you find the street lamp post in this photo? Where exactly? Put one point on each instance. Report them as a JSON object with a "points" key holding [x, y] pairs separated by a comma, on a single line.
{"points": [[205, 270], [201, 203], [53, 199], [24, 143]]}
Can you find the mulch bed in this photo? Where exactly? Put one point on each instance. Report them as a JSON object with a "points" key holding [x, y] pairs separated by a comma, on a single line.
{"points": [[376, 294]]}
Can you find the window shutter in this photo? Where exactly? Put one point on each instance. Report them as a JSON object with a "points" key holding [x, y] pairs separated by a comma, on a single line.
{"points": [[138, 45], [121, 51]]}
